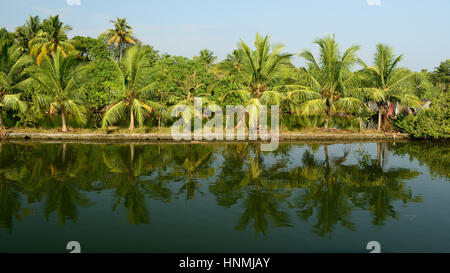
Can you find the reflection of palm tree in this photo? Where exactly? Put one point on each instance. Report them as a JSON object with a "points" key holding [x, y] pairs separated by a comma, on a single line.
{"points": [[260, 188], [377, 187], [435, 155], [334, 190], [10, 201], [260, 204], [227, 188], [125, 179], [192, 168], [324, 193], [61, 186]]}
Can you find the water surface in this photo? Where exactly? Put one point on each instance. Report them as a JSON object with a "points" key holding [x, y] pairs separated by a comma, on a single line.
{"points": [[225, 197]]}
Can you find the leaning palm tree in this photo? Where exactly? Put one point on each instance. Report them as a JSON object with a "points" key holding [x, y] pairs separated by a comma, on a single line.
{"points": [[9, 98], [388, 82], [24, 34], [330, 81], [61, 93], [120, 36], [134, 87], [51, 38], [259, 67]]}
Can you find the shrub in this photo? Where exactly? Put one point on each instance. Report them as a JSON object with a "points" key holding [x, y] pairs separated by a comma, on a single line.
{"points": [[430, 123]]}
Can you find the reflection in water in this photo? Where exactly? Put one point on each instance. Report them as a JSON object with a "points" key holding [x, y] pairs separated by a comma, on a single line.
{"points": [[309, 183]]}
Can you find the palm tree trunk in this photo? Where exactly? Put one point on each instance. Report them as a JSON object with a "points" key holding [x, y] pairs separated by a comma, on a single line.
{"points": [[380, 115], [2, 124], [63, 119], [131, 120], [327, 117], [327, 159]]}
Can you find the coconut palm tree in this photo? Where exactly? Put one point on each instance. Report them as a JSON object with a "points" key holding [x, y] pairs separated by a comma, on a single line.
{"points": [[121, 36], [61, 93], [206, 56], [51, 38], [134, 86], [258, 67], [388, 82], [24, 34], [11, 75], [330, 81]]}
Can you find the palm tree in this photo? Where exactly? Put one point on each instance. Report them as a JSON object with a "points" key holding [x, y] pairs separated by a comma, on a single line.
{"points": [[387, 82], [121, 36], [9, 99], [24, 34], [134, 86], [258, 67], [206, 56], [330, 80], [61, 93], [51, 38]]}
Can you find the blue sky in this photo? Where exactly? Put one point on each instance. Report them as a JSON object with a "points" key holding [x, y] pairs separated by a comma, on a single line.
{"points": [[417, 28]]}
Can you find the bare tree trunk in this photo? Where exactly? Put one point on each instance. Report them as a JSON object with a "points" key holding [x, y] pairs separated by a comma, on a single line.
{"points": [[63, 119], [2, 124], [131, 120], [380, 115], [327, 117]]}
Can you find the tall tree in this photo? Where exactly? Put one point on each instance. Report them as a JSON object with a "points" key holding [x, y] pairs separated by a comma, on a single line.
{"points": [[10, 75], [61, 94], [388, 82], [121, 36], [51, 38], [330, 80], [134, 87], [441, 75], [27, 32], [258, 67], [206, 56]]}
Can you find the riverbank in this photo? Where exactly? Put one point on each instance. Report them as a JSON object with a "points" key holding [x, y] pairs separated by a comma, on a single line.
{"points": [[164, 135]]}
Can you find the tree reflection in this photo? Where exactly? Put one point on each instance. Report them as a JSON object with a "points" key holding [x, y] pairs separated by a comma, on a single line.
{"points": [[269, 189]]}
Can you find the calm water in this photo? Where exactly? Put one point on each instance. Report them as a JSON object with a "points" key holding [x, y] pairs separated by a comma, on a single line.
{"points": [[226, 197]]}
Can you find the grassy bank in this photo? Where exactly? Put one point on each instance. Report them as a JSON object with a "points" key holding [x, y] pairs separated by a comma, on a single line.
{"points": [[144, 134]]}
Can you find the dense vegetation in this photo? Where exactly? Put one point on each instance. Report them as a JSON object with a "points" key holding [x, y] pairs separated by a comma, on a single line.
{"points": [[48, 80]]}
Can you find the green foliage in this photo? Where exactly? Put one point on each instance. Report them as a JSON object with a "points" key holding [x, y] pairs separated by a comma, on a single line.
{"points": [[133, 87], [109, 84], [58, 79], [441, 75], [429, 123], [99, 70], [6, 37]]}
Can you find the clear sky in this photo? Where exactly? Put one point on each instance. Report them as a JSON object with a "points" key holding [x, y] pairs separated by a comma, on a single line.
{"points": [[417, 28]]}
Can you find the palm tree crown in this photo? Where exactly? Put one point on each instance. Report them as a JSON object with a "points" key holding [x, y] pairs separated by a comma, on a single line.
{"points": [[51, 38], [24, 34], [121, 35], [330, 80]]}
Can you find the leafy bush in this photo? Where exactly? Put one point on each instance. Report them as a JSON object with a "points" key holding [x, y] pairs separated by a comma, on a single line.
{"points": [[430, 123]]}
